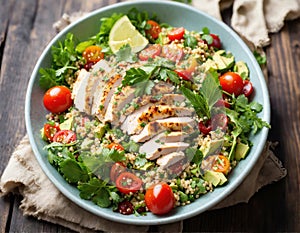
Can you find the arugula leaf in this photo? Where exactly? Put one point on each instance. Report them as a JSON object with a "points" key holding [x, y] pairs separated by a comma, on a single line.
{"points": [[198, 101]]}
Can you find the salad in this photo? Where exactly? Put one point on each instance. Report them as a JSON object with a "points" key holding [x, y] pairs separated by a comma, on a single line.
{"points": [[144, 116]]}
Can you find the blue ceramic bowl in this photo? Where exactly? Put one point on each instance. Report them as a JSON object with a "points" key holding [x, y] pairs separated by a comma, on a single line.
{"points": [[175, 14]]}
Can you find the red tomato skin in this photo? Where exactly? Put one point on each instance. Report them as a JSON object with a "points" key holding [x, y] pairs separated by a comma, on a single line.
{"points": [[58, 99], [51, 130], [232, 83], [248, 88], [155, 29], [173, 54], [160, 199], [135, 185], [176, 34], [116, 170], [216, 41], [65, 136], [150, 52]]}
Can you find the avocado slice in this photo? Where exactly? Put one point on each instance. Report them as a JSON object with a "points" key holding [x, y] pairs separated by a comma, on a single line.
{"points": [[100, 130], [67, 124], [212, 147], [216, 178], [241, 150], [210, 64], [242, 69], [223, 62]]}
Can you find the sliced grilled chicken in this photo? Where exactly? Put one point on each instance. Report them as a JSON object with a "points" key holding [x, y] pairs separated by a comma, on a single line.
{"points": [[154, 150], [170, 159], [108, 90], [118, 101], [79, 93], [163, 98], [183, 124], [133, 123], [99, 70]]}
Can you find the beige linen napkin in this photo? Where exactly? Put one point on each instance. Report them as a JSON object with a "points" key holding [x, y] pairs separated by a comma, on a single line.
{"points": [[41, 199]]}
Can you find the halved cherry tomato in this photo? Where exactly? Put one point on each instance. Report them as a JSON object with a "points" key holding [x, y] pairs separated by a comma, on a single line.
{"points": [[171, 53], [216, 41], [116, 170], [93, 54], [150, 52], [58, 99], [219, 121], [128, 182], [186, 73], [205, 126], [176, 34], [65, 136], [222, 103], [115, 146], [232, 83], [221, 164], [248, 88], [159, 198], [50, 130], [154, 29]]}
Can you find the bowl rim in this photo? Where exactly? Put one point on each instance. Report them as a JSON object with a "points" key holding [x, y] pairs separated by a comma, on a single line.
{"points": [[156, 219]]}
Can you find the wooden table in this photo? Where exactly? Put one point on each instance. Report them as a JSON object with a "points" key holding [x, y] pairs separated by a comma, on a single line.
{"points": [[26, 28]]}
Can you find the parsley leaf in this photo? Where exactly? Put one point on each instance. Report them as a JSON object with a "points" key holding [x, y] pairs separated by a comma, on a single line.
{"points": [[134, 76], [125, 54], [190, 41], [261, 59], [144, 87], [73, 172]]}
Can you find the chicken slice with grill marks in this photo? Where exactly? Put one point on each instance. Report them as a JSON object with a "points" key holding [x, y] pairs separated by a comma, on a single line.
{"points": [[168, 160], [125, 101], [134, 122], [163, 99], [183, 124], [107, 92]]}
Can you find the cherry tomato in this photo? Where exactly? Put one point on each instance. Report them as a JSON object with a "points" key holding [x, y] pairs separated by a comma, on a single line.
{"points": [[154, 29], [159, 198], [58, 99], [222, 103], [128, 182], [171, 53], [221, 164], [65, 136], [205, 126], [248, 88], [232, 83], [93, 54], [176, 34], [186, 74], [116, 170], [150, 52], [50, 130], [115, 146], [216, 41], [219, 120]]}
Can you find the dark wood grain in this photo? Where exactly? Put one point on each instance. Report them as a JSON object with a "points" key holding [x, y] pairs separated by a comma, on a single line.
{"points": [[25, 30]]}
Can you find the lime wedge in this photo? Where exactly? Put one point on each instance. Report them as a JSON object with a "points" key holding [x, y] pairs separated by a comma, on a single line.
{"points": [[122, 33]]}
